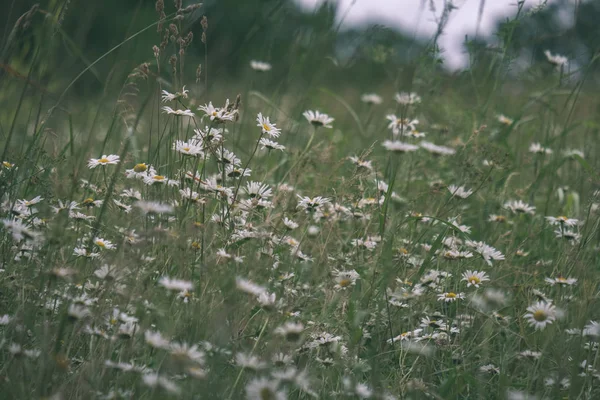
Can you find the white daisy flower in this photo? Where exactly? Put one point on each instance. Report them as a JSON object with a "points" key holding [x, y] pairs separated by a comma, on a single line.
{"points": [[260, 66], [407, 98], [166, 96], [267, 126], [436, 149], [345, 279], [503, 119], [104, 244], [399, 147], [474, 278], [540, 314], [312, 204], [271, 145], [188, 148], [556, 59], [562, 220], [519, 207], [175, 284], [371, 98], [449, 297], [401, 125], [178, 113], [561, 281], [104, 160], [459, 191], [318, 119], [264, 388]]}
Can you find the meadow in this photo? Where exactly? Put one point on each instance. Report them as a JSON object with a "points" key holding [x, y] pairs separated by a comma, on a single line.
{"points": [[295, 233]]}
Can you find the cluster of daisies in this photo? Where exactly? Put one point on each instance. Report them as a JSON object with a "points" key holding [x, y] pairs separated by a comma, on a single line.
{"points": [[201, 267]]}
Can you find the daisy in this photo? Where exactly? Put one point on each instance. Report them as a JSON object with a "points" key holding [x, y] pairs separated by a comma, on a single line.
{"points": [[487, 252], [175, 284], [291, 331], [573, 152], [122, 206], [399, 147], [263, 389], [104, 160], [345, 279], [189, 194], [312, 204], [249, 287], [258, 190], [271, 145], [104, 244], [183, 352], [153, 207], [561, 281], [556, 59], [371, 98], [562, 220], [537, 148], [260, 66], [227, 157], [399, 125], [360, 163], [519, 207], [166, 96], [497, 218], [208, 135], [318, 119], [290, 224], [267, 126], [187, 148], [567, 235], [407, 98], [459, 191], [249, 361], [219, 115], [450, 297], [540, 314], [437, 150], [154, 380], [530, 354], [139, 171], [237, 172], [474, 278], [178, 113], [503, 119]]}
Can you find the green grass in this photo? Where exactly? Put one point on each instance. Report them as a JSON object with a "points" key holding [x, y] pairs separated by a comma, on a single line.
{"points": [[366, 266]]}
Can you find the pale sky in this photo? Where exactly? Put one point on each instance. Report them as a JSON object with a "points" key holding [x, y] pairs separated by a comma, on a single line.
{"points": [[416, 17]]}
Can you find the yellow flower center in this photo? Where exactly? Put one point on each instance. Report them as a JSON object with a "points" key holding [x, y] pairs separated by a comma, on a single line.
{"points": [[7, 164], [474, 280], [562, 218], [540, 315], [500, 218], [403, 251], [451, 295], [345, 282], [88, 201], [103, 160], [186, 149], [140, 168], [100, 243], [214, 113], [158, 177], [266, 127]]}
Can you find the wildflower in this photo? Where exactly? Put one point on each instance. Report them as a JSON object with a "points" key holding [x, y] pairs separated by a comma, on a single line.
{"points": [[519, 207], [187, 148], [497, 218], [407, 98], [104, 160], [504, 119], [318, 119], [139, 171], [185, 353], [290, 224], [267, 126], [360, 163], [399, 147], [260, 66], [569, 153], [249, 361], [175, 284], [540, 314], [178, 113], [219, 115], [106, 272], [267, 300], [312, 204], [459, 191], [474, 278], [152, 207], [249, 287], [345, 279], [19, 230], [436, 149], [371, 98], [122, 206], [530, 354], [263, 389], [539, 149], [566, 234], [271, 145], [561, 281], [81, 252], [78, 311], [400, 125], [236, 172], [490, 369], [227, 157], [291, 331], [258, 190], [556, 59], [156, 340], [562, 220], [450, 297], [104, 244], [487, 252], [166, 96]]}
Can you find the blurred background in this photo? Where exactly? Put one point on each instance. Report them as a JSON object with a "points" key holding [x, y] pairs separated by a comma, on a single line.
{"points": [[336, 40]]}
